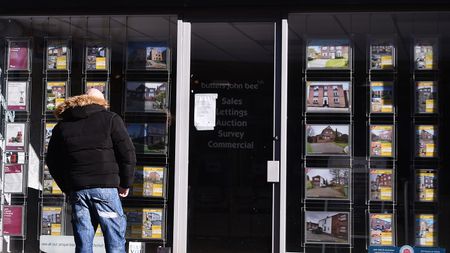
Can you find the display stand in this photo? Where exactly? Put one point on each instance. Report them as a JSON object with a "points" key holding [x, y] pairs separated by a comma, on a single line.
{"points": [[425, 158], [56, 89], [16, 106], [2, 148], [146, 111], [327, 156], [381, 155]]}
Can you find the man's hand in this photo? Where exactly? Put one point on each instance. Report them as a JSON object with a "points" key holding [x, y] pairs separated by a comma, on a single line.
{"points": [[123, 192]]}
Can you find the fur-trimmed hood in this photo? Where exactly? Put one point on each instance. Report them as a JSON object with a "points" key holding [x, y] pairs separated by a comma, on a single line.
{"points": [[73, 106]]}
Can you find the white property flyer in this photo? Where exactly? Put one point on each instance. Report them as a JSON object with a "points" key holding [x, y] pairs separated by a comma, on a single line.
{"points": [[16, 96], [13, 178], [205, 111], [15, 136]]}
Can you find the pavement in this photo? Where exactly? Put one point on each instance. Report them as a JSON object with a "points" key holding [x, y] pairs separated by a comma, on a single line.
{"points": [[310, 237], [317, 63], [324, 193], [327, 148]]}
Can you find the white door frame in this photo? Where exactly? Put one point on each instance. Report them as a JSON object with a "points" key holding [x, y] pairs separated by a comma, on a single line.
{"points": [[181, 184], [283, 134]]}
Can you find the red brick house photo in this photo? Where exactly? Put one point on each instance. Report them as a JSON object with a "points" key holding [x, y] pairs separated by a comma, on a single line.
{"points": [[327, 227], [327, 97]]}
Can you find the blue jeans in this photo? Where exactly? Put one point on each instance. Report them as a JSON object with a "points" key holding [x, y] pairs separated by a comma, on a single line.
{"points": [[93, 207]]}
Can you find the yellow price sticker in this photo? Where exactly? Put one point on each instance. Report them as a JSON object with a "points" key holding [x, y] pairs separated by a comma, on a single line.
{"points": [[429, 61], [386, 193], [429, 105], [157, 190], [59, 101], [429, 194], [61, 62], [56, 229], [100, 63], [386, 61], [386, 149], [156, 231], [55, 188], [430, 150]]}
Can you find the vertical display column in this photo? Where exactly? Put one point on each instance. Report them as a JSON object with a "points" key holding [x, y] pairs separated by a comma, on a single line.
{"points": [[425, 156], [16, 90], [327, 157], [147, 112], [382, 143], [56, 83]]}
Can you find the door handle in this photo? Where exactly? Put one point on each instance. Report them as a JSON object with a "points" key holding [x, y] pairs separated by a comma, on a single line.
{"points": [[273, 171]]}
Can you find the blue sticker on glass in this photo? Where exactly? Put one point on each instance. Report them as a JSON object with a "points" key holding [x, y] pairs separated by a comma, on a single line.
{"points": [[428, 250]]}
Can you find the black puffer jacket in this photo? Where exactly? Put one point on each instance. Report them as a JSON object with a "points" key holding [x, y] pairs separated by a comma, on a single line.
{"points": [[90, 147]]}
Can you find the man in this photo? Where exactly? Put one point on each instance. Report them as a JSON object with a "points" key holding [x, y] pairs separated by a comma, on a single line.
{"points": [[92, 159]]}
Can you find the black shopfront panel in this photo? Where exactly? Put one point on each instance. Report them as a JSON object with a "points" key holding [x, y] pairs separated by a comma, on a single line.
{"points": [[367, 119]]}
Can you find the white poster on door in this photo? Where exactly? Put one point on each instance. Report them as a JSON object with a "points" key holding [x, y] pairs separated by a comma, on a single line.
{"points": [[205, 111]]}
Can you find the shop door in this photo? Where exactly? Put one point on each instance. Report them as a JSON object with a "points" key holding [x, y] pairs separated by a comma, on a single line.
{"points": [[230, 200]]}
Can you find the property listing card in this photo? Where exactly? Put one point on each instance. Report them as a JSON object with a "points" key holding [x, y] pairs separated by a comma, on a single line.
{"points": [[13, 181], [18, 55], [426, 230], [426, 144], [426, 97], [13, 220], [15, 136], [426, 185], [16, 95], [51, 220], [381, 229], [382, 140], [149, 181], [381, 97], [381, 185]]}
